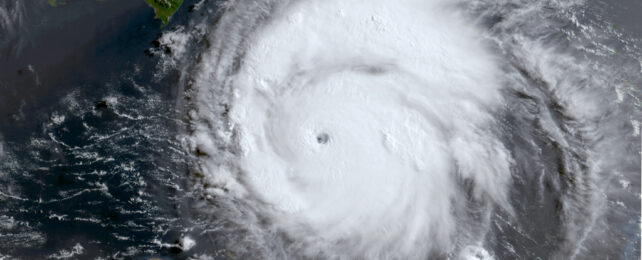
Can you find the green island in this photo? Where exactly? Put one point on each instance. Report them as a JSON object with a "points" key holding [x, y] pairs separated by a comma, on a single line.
{"points": [[164, 9]]}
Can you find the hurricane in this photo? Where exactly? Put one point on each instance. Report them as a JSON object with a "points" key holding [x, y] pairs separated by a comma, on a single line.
{"points": [[320, 129], [405, 130]]}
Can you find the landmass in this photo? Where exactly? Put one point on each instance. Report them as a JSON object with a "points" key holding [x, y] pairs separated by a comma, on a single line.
{"points": [[164, 9]]}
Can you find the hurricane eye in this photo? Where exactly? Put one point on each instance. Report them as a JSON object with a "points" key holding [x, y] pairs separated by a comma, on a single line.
{"points": [[323, 138]]}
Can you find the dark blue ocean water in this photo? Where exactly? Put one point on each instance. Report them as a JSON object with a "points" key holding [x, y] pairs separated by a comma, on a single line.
{"points": [[90, 159]]}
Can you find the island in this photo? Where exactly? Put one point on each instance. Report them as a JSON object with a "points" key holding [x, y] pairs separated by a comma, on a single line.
{"points": [[164, 9]]}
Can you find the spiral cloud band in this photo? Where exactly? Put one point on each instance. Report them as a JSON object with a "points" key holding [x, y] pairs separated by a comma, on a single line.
{"points": [[362, 131], [390, 129]]}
